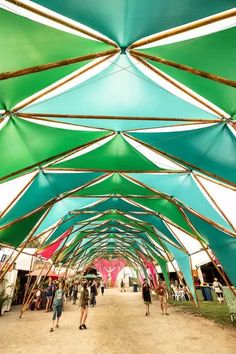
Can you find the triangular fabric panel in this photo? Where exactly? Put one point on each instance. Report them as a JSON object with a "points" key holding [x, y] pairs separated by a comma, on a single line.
{"points": [[46, 187], [118, 19], [115, 155], [199, 148], [28, 144], [184, 188], [119, 90]]}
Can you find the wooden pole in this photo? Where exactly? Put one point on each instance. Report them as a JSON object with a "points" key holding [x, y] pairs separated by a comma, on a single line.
{"points": [[185, 28], [56, 64], [187, 68], [62, 21]]}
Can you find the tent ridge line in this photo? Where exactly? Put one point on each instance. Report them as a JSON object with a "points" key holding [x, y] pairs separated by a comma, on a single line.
{"points": [[63, 22], [56, 64], [184, 28]]}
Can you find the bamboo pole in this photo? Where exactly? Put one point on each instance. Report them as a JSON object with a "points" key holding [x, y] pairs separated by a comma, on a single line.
{"points": [[38, 68], [62, 21], [184, 28], [108, 117], [175, 83], [187, 68]]}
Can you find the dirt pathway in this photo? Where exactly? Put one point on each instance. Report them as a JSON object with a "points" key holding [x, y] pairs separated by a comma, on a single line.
{"points": [[117, 325]]}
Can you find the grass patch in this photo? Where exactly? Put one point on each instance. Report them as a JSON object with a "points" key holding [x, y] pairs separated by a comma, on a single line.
{"points": [[211, 310]]}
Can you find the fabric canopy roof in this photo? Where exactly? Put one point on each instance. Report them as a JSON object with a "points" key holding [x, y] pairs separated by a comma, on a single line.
{"points": [[117, 132]]}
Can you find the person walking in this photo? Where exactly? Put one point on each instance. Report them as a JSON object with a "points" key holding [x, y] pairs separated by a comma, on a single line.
{"points": [[162, 294], [49, 295], [102, 285], [218, 288], [93, 293], [84, 301], [75, 293], [57, 306], [146, 295]]}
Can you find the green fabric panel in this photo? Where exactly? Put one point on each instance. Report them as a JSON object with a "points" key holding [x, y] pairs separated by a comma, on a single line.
{"points": [[15, 234], [165, 208], [116, 155], [222, 244], [24, 143], [184, 264], [45, 187], [184, 188], [221, 95], [17, 89], [114, 184], [115, 203], [28, 43], [213, 53], [126, 21], [119, 90], [200, 147]]}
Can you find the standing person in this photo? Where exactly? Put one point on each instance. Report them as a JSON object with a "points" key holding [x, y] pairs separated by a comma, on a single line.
{"points": [[218, 288], [75, 293], [102, 285], [38, 296], [162, 293], [49, 294], [93, 293], [57, 306], [84, 300], [146, 295]]}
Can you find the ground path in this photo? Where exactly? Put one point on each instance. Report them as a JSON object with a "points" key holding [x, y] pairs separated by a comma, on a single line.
{"points": [[117, 325]]}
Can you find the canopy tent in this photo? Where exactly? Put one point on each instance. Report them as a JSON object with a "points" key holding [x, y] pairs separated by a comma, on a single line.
{"points": [[117, 141]]}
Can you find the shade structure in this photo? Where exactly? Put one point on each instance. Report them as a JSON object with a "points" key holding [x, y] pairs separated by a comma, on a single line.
{"points": [[119, 126]]}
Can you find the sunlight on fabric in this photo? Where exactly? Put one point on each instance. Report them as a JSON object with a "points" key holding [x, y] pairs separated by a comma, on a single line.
{"points": [[10, 189], [187, 241]]}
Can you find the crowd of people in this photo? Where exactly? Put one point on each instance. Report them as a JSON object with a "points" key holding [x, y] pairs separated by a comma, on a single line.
{"points": [[56, 293]]}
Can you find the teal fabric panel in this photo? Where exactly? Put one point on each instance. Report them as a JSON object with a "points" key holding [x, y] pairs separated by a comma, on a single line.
{"points": [[44, 188], [116, 203], [119, 90], [222, 244], [67, 223], [212, 149], [61, 208], [184, 188], [159, 225], [126, 21], [163, 264], [183, 261]]}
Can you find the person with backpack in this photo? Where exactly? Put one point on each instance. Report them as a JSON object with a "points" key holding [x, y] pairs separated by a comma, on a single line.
{"points": [[57, 306], [218, 288], [49, 295], [162, 294]]}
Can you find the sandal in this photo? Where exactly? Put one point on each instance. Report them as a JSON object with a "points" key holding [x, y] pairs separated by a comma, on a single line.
{"points": [[51, 329], [80, 327], [57, 326]]}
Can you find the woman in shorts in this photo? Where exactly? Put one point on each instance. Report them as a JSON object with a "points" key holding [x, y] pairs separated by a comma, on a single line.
{"points": [[84, 302]]}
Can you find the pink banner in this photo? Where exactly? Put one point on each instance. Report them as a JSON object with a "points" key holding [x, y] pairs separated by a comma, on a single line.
{"points": [[51, 249], [109, 269]]}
